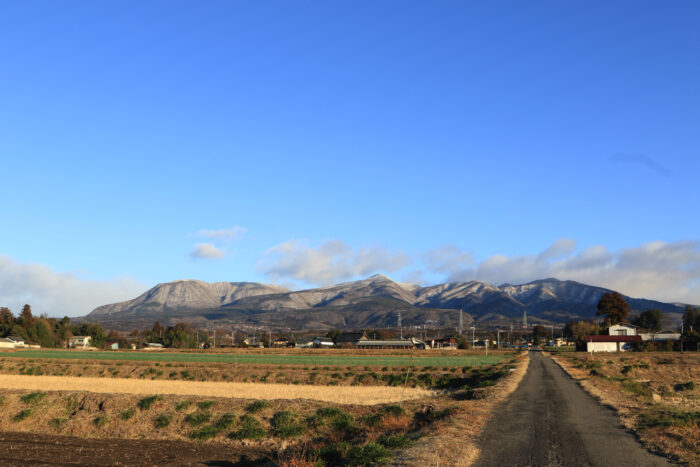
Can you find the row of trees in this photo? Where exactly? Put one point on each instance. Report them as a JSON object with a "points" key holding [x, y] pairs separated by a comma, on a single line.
{"points": [[45, 331]]}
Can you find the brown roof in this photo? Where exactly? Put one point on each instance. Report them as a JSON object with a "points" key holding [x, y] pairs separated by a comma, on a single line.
{"points": [[613, 338]]}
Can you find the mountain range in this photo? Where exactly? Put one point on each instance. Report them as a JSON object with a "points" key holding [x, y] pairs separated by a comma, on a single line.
{"points": [[372, 302]]}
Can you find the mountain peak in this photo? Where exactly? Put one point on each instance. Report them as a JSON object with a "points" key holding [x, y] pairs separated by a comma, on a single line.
{"points": [[380, 277]]}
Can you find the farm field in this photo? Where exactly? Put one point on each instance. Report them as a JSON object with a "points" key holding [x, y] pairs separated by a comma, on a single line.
{"points": [[313, 357], [656, 394], [351, 415]]}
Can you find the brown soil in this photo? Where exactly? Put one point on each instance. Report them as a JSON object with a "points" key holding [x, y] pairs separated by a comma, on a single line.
{"points": [[23, 449]]}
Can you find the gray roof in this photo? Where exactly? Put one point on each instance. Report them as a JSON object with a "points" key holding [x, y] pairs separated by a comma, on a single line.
{"points": [[406, 343]]}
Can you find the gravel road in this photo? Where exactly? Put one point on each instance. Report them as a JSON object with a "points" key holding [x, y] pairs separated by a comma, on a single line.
{"points": [[550, 421]]}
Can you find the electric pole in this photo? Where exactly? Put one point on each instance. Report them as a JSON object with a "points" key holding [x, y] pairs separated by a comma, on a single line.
{"points": [[461, 322], [400, 328]]}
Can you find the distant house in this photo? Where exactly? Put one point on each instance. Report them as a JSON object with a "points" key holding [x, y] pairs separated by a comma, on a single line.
{"points": [[281, 343], [6, 343], [252, 342], [112, 345], [79, 342], [560, 341], [322, 342], [621, 337], [444, 343], [153, 346], [351, 338]]}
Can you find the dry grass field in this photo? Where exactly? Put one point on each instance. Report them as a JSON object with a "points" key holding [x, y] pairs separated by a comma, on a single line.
{"points": [[656, 394], [368, 395], [341, 422]]}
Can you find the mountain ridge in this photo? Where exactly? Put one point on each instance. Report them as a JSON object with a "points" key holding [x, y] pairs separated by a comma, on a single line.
{"points": [[373, 301]]}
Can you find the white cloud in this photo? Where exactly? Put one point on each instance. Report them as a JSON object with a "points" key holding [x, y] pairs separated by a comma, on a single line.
{"points": [[57, 293], [207, 251], [658, 270], [331, 262], [447, 258], [223, 235]]}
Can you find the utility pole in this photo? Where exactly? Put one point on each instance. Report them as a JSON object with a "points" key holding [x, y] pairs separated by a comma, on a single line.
{"points": [[524, 319], [461, 322], [269, 338], [510, 335], [498, 338], [400, 328], [473, 334]]}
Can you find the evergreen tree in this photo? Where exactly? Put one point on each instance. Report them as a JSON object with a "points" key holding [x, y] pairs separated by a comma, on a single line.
{"points": [[613, 306]]}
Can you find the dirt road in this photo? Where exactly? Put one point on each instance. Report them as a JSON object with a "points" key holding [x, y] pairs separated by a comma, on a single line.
{"points": [[550, 421]]}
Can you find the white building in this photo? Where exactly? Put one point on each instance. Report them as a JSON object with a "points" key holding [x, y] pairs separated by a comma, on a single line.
{"points": [[621, 337], [79, 342], [622, 329]]}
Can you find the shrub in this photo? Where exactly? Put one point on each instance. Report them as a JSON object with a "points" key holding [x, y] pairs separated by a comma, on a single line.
{"points": [[394, 441], [393, 410], [2, 401], [371, 419], [32, 398], [127, 414], [183, 405], [196, 419], [668, 417], [26, 413], [367, 455], [147, 402], [284, 424], [689, 386], [163, 420], [250, 428], [57, 422], [214, 429], [635, 387], [225, 421], [329, 412], [204, 405], [256, 406], [100, 421], [344, 423], [334, 454]]}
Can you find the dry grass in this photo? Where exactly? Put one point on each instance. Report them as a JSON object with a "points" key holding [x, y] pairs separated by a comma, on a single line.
{"points": [[369, 395], [454, 442], [650, 392]]}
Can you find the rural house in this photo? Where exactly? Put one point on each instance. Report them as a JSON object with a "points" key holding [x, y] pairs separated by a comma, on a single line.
{"points": [[621, 337], [79, 342]]}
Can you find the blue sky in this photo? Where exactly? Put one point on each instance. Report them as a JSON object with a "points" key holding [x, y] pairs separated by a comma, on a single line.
{"points": [[306, 143]]}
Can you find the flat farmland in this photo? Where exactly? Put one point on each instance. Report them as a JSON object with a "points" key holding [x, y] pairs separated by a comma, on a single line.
{"points": [[321, 357]]}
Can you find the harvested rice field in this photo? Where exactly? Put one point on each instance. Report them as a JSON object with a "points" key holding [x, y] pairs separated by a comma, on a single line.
{"points": [[289, 414], [340, 395]]}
